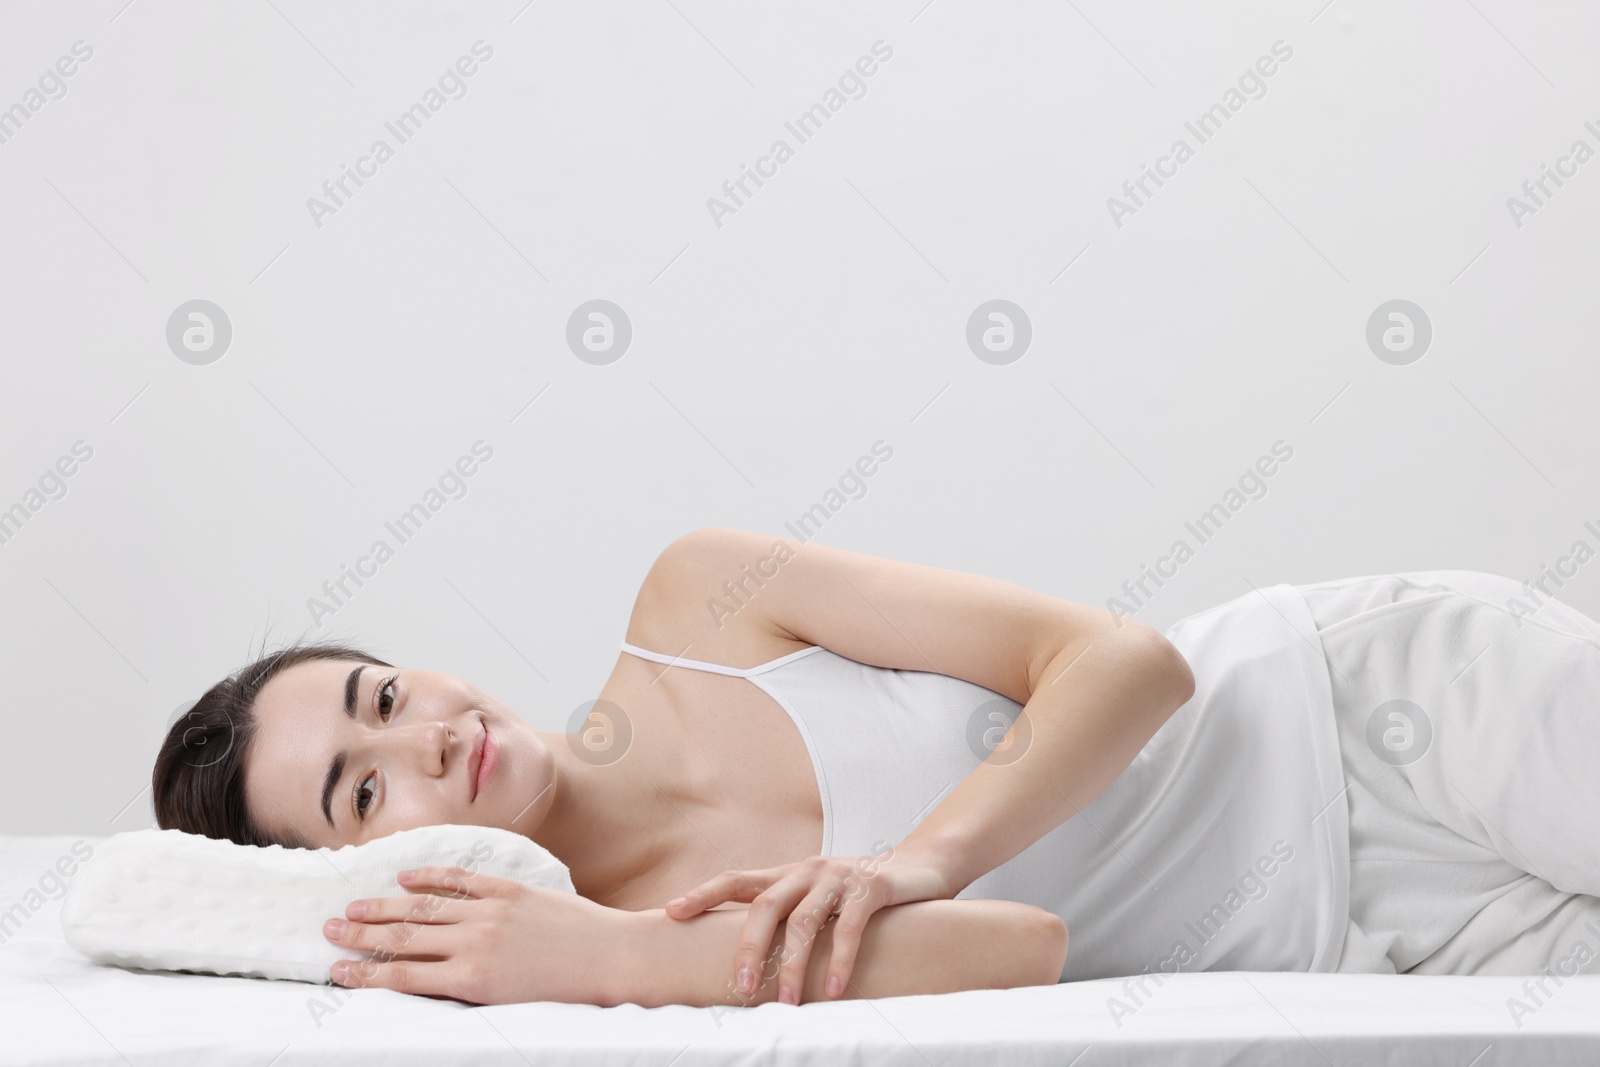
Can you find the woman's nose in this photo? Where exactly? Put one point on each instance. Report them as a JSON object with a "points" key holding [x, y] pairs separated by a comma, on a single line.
{"points": [[428, 742]]}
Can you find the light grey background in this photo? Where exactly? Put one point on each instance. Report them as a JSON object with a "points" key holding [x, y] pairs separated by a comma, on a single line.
{"points": [[829, 312]]}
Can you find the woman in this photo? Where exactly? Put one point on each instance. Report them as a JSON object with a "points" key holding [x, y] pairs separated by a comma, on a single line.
{"points": [[854, 743]]}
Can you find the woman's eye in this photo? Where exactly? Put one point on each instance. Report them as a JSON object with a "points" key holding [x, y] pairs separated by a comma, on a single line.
{"points": [[364, 795], [386, 699]]}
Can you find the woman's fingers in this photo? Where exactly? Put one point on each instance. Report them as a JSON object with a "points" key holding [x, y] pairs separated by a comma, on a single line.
{"points": [[846, 944], [420, 908], [738, 886], [454, 881], [767, 909], [800, 933], [391, 939], [421, 977], [806, 894]]}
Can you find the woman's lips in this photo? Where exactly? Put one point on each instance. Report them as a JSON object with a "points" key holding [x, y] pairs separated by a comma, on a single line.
{"points": [[488, 759]]}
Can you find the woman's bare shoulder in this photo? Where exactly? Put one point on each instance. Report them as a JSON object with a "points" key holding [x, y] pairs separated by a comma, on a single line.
{"points": [[692, 602]]}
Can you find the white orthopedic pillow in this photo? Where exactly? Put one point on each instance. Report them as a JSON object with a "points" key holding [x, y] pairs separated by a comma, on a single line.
{"points": [[171, 901]]}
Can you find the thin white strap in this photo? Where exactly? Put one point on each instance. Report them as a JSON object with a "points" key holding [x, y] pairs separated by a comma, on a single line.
{"points": [[678, 661], [717, 668]]}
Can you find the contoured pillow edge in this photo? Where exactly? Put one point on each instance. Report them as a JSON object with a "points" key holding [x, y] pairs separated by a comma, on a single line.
{"points": [[174, 901]]}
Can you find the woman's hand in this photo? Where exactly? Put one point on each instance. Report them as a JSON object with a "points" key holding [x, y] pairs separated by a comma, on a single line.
{"points": [[808, 894], [481, 939]]}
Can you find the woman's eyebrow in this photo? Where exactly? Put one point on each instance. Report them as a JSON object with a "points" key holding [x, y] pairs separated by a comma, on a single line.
{"points": [[336, 768], [335, 771], [350, 685]]}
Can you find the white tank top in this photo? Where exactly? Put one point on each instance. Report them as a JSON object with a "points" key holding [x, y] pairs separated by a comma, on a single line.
{"points": [[1223, 846]]}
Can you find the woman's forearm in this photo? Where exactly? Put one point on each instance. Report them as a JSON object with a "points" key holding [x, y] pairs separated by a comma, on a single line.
{"points": [[934, 946]]}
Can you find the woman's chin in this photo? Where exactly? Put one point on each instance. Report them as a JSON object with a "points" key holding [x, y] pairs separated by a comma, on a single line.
{"points": [[522, 786]]}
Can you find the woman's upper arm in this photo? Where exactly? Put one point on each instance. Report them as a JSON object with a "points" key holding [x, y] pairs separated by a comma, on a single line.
{"points": [[733, 596]]}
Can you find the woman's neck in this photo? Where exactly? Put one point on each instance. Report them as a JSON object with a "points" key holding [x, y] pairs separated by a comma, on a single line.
{"points": [[606, 823]]}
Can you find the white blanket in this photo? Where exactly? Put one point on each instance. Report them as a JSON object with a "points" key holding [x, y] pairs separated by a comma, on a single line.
{"points": [[60, 1009]]}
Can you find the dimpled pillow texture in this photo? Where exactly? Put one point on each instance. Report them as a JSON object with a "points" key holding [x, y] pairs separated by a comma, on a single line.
{"points": [[171, 901]]}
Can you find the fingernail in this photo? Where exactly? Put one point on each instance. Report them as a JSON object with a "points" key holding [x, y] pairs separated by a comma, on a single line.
{"points": [[341, 972], [405, 876], [786, 995], [835, 985], [333, 929], [677, 902], [356, 910], [746, 979]]}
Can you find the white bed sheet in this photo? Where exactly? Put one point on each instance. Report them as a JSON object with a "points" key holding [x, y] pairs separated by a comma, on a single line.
{"points": [[55, 1008]]}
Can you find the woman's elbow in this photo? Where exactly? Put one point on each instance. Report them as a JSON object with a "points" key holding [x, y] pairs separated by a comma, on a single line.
{"points": [[1035, 946], [1050, 940]]}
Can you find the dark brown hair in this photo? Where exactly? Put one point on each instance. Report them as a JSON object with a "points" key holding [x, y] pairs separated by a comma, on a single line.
{"points": [[198, 785]]}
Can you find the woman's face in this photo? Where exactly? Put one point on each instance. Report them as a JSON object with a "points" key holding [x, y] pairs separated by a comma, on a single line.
{"points": [[345, 752]]}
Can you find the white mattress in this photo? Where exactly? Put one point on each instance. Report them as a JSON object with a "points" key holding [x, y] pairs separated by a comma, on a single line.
{"points": [[58, 1009]]}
